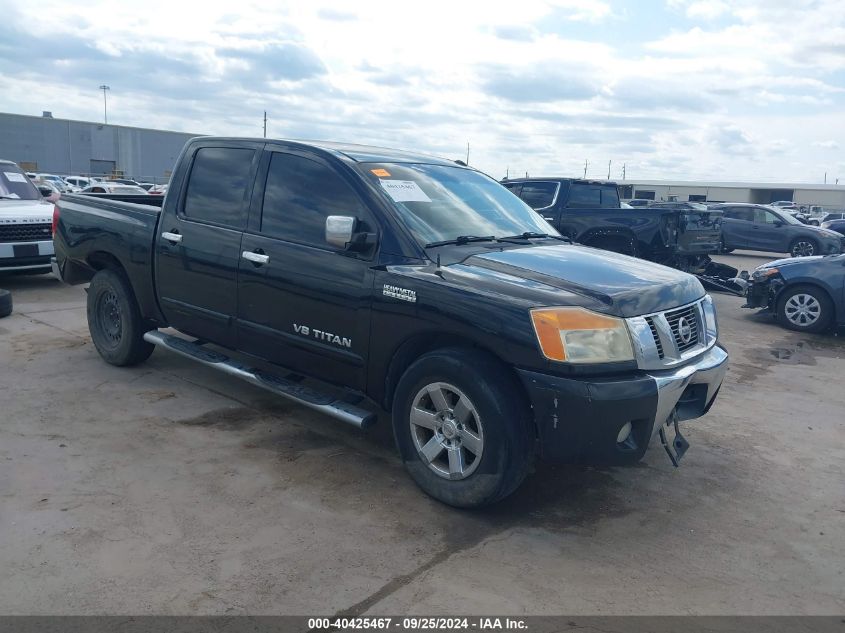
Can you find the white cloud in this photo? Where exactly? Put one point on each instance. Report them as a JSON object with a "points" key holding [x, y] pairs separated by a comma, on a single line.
{"points": [[536, 85], [707, 9]]}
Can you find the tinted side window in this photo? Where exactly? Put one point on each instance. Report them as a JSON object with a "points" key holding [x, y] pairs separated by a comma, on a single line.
{"points": [[584, 196], [740, 213], [538, 195], [300, 194], [609, 197], [514, 187], [218, 184]]}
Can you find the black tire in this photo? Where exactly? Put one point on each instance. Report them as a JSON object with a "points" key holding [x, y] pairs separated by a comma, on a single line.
{"points": [[498, 410], [114, 320], [5, 303], [815, 302], [803, 247]]}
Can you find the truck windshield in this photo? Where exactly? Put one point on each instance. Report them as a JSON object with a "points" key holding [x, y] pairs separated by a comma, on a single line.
{"points": [[15, 185], [440, 203]]}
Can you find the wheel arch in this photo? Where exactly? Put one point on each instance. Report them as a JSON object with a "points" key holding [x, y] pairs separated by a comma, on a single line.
{"points": [[813, 283], [420, 344]]}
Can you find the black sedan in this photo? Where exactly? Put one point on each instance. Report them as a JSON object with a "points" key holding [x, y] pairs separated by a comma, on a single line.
{"points": [[806, 294]]}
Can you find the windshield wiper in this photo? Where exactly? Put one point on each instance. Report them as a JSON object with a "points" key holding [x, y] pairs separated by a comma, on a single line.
{"points": [[530, 235], [463, 239]]}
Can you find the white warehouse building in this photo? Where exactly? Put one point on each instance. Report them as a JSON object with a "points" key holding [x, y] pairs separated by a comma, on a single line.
{"points": [[827, 196]]}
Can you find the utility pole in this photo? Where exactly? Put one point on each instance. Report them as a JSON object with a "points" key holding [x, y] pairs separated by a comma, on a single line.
{"points": [[104, 87], [825, 177], [585, 168], [608, 169], [265, 123], [467, 153], [623, 171]]}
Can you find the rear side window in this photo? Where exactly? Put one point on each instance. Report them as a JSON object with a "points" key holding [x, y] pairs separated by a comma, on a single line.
{"points": [[300, 194], [584, 196], [514, 187], [539, 195], [218, 184], [740, 213]]}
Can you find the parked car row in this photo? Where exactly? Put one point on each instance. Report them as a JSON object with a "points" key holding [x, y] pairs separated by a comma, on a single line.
{"points": [[89, 184]]}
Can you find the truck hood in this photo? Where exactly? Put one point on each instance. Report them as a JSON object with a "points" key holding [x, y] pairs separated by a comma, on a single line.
{"points": [[25, 212], [600, 280]]}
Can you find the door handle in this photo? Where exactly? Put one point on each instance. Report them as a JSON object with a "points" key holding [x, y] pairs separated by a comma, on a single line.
{"points": [[548, 219], [173, 238], [255, 258]]}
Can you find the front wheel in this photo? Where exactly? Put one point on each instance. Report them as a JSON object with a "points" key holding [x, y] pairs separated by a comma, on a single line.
{"points": [[114, 320], [462, 428], [803, 247], [805, 309]]}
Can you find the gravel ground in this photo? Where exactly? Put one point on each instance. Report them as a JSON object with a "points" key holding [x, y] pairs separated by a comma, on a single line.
{"points": [[169, 489]]}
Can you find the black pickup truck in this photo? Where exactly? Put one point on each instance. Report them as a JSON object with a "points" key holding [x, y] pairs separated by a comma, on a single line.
{"points": [[352, 278], [589, 212]]}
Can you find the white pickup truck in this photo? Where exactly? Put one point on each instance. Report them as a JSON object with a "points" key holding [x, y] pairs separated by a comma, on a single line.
{"points": [[26, 237]]}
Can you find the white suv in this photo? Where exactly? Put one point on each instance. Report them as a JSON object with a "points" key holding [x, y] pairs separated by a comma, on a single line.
{"points": [[26, 236]]}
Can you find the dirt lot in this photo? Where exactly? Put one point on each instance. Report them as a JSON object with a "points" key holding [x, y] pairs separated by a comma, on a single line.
{"points": [[167, 488]]}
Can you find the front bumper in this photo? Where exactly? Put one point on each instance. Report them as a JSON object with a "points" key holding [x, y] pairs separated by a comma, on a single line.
{"points": [[580, 419], [23, 256]]}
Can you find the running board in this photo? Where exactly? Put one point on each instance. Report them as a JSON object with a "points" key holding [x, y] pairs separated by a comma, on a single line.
{"points": [[306, 396]]}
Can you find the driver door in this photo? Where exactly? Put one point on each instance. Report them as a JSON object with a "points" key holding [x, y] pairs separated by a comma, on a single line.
{"points": [[303, 303]]}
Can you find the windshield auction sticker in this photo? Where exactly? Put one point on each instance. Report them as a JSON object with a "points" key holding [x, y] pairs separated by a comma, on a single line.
{"points": [[404, 191], [13, 176]]}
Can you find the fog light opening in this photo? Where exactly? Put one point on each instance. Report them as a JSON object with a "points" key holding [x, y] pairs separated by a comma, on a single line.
{"points": [[624, 433]]}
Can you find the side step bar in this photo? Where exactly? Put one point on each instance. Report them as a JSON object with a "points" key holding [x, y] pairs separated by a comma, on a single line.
{"points": [[305, 396]]}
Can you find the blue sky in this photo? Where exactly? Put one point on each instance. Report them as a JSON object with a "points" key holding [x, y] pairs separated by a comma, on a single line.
{"points": [[691, 89]]}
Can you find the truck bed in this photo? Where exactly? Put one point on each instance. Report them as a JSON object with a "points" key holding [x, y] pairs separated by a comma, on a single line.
{"points": [[101, 227]]}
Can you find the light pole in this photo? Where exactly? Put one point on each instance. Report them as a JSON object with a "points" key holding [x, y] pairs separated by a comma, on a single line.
{"points": [[104, 87]]}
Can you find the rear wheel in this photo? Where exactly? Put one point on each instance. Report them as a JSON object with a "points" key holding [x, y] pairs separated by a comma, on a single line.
{"points": [[805, 309], [462, 428], [803, 247], [114, 320]]}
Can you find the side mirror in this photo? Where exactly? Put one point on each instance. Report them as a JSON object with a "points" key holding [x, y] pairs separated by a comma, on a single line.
{"points": [[340, 232], [45, 191], [339, 229], [778, 223]]}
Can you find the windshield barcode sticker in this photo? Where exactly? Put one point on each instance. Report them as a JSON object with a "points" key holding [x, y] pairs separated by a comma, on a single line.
{"points": [[404, 191]]}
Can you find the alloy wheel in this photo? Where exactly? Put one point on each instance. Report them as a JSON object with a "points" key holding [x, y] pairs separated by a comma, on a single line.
{"points": [[446, 430]]}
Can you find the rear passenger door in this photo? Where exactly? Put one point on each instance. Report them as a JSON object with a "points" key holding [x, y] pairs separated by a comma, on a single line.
{"points": [[198, 244], [305, 304], [737, 225]]}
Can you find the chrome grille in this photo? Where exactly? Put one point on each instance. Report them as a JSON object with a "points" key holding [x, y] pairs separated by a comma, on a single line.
{"points": [[653, 328], [690, 319], [25, 232]]}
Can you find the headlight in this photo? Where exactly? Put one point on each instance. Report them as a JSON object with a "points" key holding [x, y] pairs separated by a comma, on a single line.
{"points": [[577, 335], [764, 273], [710, 323]]}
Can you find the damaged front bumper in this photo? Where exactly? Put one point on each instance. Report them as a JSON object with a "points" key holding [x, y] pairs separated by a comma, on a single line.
{"points": [[583, 419], [762, 293]]}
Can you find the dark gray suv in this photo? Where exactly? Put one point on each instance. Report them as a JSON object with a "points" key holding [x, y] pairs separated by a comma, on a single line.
{"points": [[760, 228]]}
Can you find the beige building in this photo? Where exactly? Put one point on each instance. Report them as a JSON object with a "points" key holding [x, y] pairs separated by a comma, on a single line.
{"points": [[828, 196]]}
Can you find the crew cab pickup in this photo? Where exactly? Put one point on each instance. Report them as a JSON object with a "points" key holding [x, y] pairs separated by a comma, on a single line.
{"points": [[589, 213], [26, 244], [352, 278]]}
